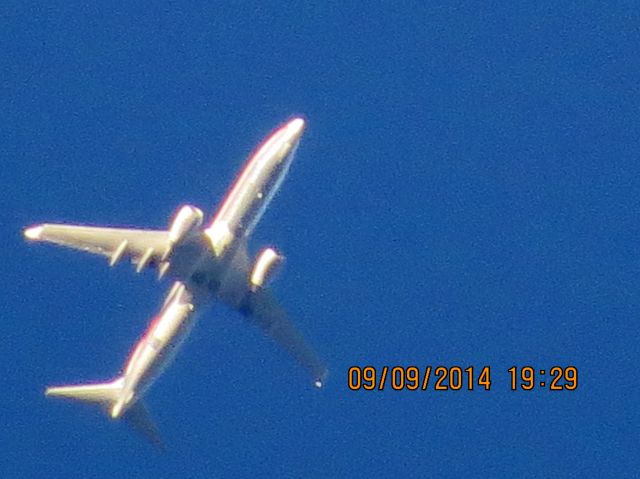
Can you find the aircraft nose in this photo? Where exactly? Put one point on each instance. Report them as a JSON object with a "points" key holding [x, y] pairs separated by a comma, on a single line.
{"points": [[295, 128]]}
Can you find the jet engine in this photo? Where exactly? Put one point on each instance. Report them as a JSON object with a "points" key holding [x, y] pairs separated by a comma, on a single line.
{"points": [[264, 268], [187, 219], [184, 222]]}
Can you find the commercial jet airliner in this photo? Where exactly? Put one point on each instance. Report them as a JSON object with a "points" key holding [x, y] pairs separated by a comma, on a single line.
{"points": [[205, 265]]}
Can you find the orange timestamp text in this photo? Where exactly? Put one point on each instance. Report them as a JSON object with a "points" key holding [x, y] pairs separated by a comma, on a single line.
{"points": [[414, 378]]}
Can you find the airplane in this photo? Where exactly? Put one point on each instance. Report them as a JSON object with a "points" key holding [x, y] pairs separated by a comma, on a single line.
{"points": [[205, 265]]}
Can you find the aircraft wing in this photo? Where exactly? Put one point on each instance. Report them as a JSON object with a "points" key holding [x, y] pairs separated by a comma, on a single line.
{"points": [[144, 247], [262, 309]]}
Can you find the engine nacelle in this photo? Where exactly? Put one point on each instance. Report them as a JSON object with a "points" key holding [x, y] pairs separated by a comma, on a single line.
{"points": [[186, 220], [265, 268]]}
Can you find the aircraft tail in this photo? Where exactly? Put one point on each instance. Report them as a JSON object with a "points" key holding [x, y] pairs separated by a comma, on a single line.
{"points": [[109, 395]]}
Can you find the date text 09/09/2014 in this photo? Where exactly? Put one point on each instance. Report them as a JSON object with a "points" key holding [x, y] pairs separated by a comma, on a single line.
{"points": [[456, 378]]}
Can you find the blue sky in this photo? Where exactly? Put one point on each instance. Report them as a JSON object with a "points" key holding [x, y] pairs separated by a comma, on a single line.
{"points": [[466, 193]]}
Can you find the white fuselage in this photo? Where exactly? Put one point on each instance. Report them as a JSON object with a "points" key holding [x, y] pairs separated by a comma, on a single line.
{"points": [[240, 211], [158, 346]]}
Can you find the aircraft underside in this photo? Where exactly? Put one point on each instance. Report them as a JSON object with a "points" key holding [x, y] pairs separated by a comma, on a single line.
{"points": [[205, 265]]}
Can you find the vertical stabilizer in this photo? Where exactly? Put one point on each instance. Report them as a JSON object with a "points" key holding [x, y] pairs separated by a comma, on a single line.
{"points": [[141, 421]]}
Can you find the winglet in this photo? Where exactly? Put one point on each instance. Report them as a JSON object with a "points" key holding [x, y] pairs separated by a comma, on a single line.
{"points": [[321, 380], [33, 233]]}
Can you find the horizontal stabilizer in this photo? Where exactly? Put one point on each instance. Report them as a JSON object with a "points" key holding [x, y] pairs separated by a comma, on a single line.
{"points": [[98, 393]]}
